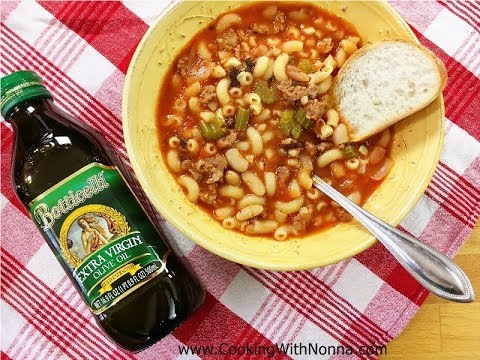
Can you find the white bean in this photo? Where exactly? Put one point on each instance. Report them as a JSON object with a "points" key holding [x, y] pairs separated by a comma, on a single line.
{"points": [[222, 91], [289, 207], [255, 139], [231, 191], [232, 178], [261, 66], [250, 199], [223, 213], [261, 227], [279, 67], [249, 212], [270, 183], [254, 183], [363, 150], [236, 160]]}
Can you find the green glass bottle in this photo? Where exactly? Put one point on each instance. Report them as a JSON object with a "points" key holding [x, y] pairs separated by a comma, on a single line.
{"points": [[68, 180]]}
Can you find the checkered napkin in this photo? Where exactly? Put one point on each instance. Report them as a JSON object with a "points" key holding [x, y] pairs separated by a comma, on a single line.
{"points": [[82, 51]]}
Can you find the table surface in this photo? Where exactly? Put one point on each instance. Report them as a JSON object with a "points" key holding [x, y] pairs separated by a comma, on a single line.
{"points": [[441, 329]]}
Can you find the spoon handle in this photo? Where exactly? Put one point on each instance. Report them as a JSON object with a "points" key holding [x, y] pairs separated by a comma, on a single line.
{"points": [[433, 270]]}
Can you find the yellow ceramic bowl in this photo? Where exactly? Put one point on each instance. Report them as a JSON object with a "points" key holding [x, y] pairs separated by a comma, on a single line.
{"points": [[416, 148]]}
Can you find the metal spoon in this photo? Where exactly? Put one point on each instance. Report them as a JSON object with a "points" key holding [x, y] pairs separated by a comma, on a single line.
{"points": [[433, 270]]}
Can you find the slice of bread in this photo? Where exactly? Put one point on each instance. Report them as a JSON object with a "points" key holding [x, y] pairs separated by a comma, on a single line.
{"points": [[385, 82]]}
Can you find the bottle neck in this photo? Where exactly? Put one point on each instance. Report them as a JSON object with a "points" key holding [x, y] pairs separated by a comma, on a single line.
{"points": [[29, 120]]}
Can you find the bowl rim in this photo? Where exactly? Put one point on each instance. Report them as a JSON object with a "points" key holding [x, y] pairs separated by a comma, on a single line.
{"points": [[237, 258]]}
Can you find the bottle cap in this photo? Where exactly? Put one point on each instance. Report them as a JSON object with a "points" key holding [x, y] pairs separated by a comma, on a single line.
{"points": [[18, 87]]}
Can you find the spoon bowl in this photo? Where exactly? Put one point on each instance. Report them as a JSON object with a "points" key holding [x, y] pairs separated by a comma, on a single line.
{"points": [[433, 270]]}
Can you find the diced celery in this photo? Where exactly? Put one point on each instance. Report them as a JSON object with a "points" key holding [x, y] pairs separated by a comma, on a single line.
{"points": [[286, 122], [241, 119], [211, 130], [306, 66], [301, 117], [267, 94], [296, 131], [206, 129], [349, 152], [218, 121]]}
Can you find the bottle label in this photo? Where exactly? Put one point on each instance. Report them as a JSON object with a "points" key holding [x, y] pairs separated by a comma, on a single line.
{"points": [[99, 230]]}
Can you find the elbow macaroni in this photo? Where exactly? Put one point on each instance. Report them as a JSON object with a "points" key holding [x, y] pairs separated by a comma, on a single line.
{"points": [[193, 190], [329, 156], [245, 78], [253, 98], [321, 75]]}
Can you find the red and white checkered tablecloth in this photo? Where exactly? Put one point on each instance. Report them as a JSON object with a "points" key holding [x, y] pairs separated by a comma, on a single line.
{"points": [[82, 50]]}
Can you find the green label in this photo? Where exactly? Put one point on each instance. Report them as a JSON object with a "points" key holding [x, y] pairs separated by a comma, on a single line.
{"points": [[100, 232]]}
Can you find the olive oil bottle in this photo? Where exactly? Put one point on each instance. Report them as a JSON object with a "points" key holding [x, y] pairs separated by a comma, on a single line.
{"points": [[68, 180]]}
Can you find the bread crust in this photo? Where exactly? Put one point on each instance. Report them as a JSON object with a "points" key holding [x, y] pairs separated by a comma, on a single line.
{"points": [[442, 75]]}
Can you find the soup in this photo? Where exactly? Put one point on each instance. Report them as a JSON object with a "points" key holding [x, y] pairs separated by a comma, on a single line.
{"points": [[246, 116]]}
